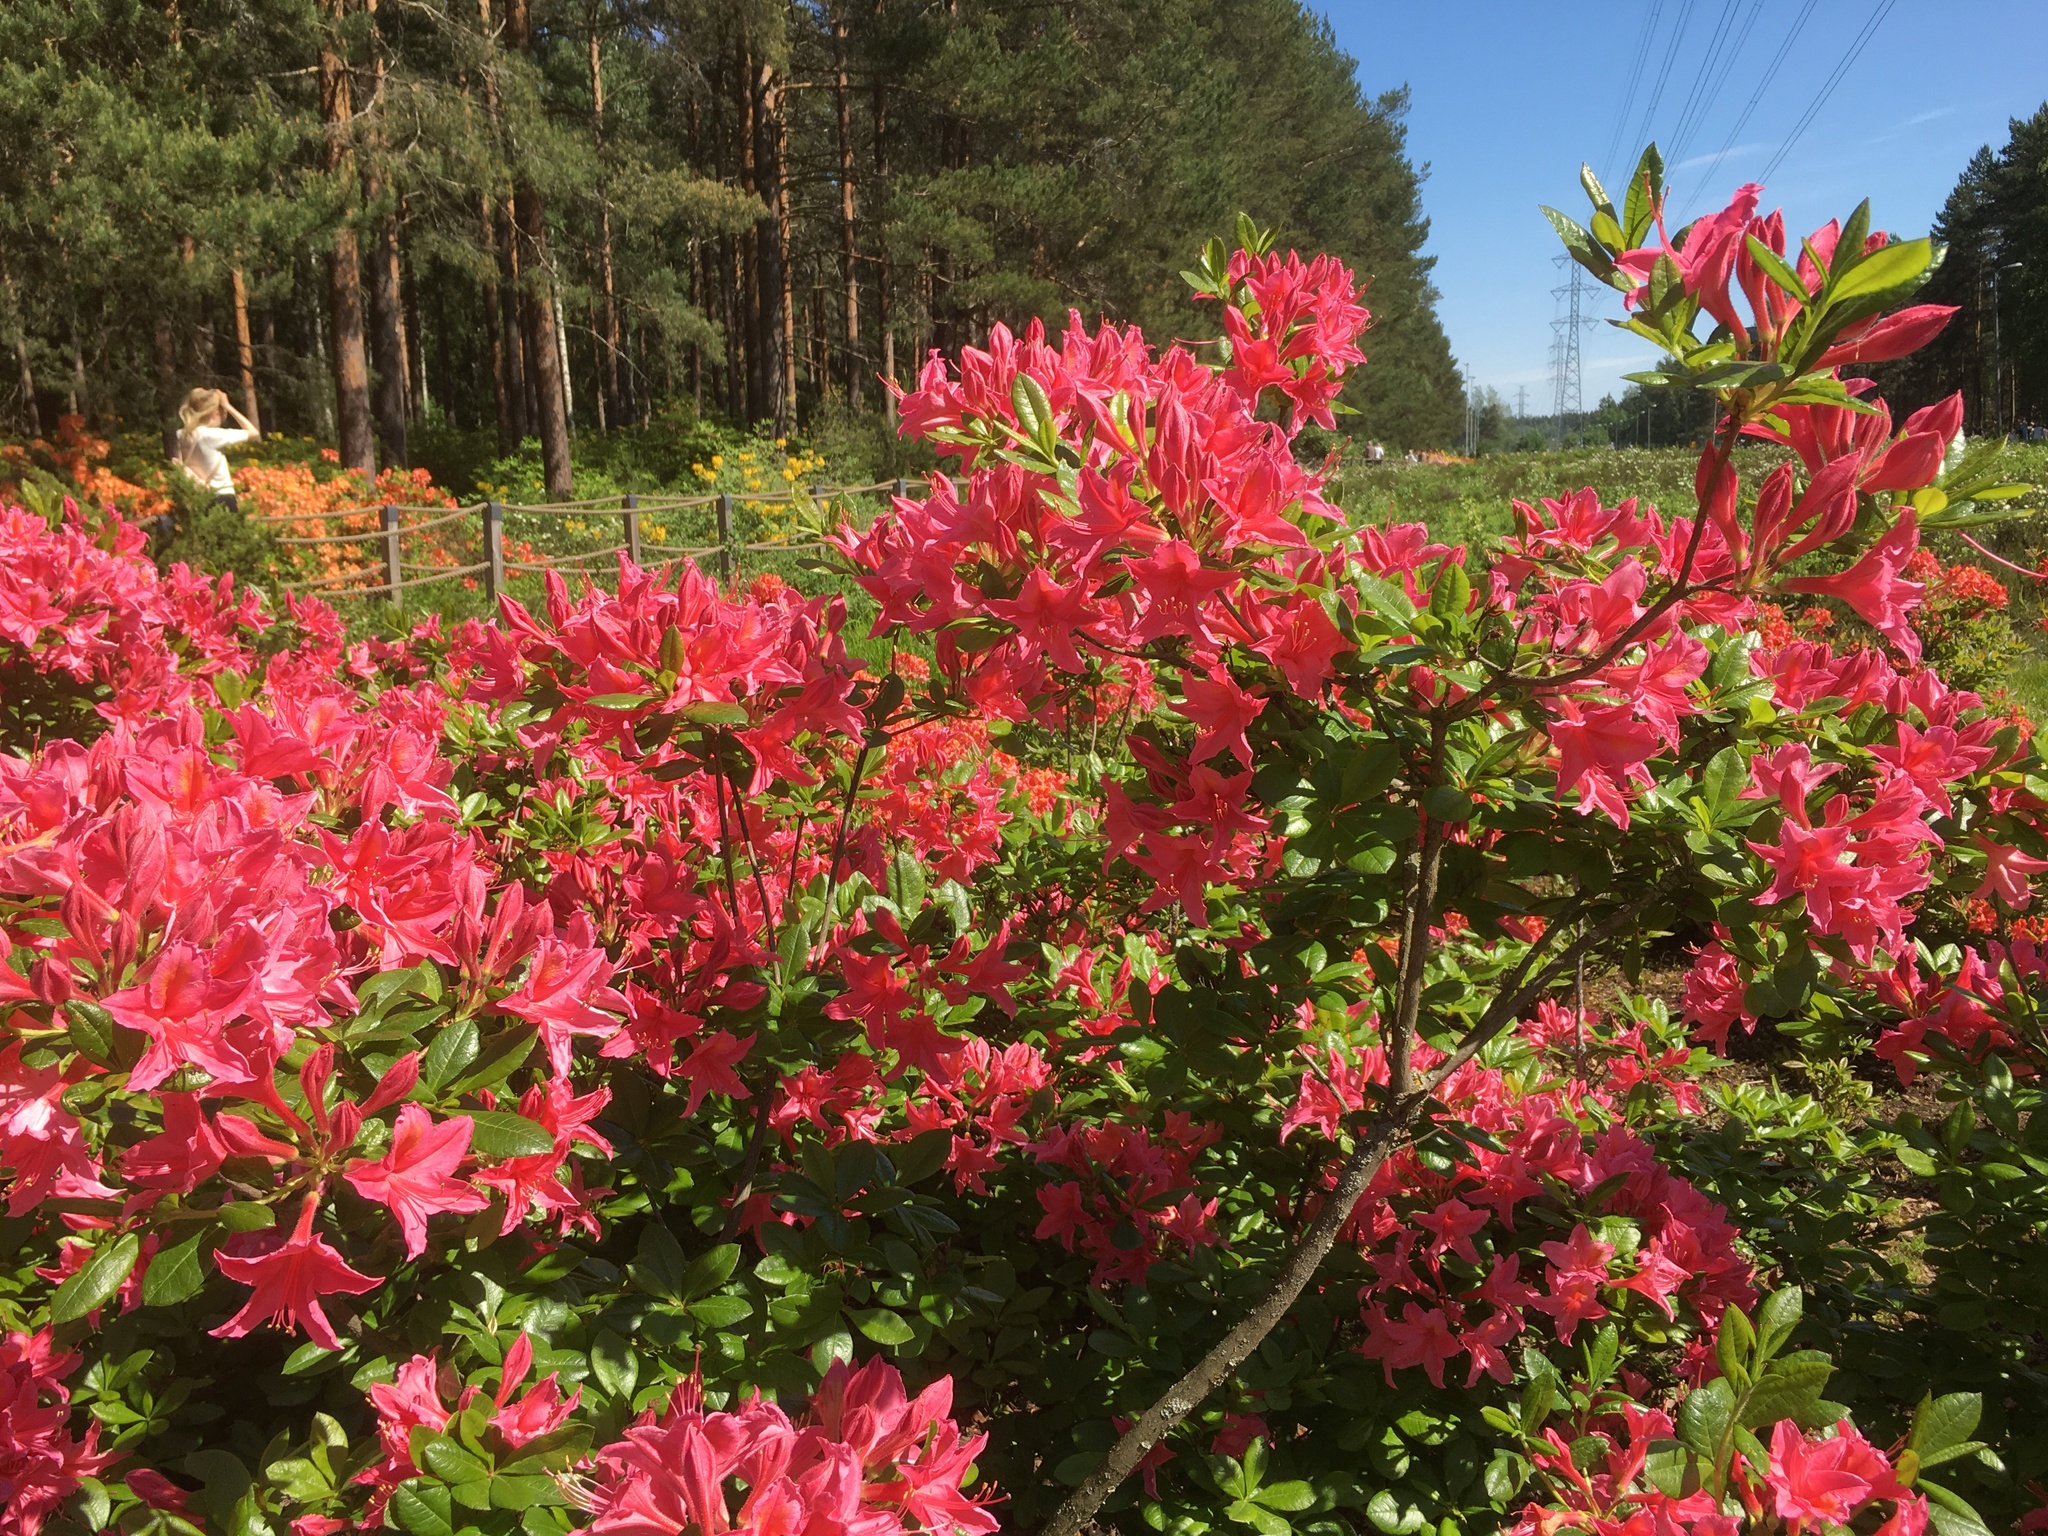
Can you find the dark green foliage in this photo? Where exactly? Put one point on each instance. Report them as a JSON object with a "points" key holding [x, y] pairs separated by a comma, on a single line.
{"points": [[208, 537], [1085, 150], [1995, 224], [1008, 163]]}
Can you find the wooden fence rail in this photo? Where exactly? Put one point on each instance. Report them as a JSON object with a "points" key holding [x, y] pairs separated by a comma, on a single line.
{"points": [[392, 530]]}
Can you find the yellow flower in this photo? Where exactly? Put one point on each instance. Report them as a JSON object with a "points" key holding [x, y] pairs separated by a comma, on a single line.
{"points": [[782, 442], [718, 461]]}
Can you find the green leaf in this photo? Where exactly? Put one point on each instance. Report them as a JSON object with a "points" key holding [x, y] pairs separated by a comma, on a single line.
{"points": [[1942, 1422], [1670, 1469], [715, 712], [1775, 268], [658, 1267], [1452, 594], [1578, 241], [1704, 1416], [176, 1274], [305, 1358], [1386, 599], [1293, 1497], [1776, 1320], [1244, 1512], [907, 882], [297, 1478], [1849, 246], [1638, 205], [1722, 782], [721, 1311], [448, 1461], [919, 1158], [505, 1055], [614, 1364], [883, 1326], [1034, 409], [1916, 1162], [1790, 1389], [501, 1134], [1392, 1516], [619, 701], [1504, 1477], [1955, 1452], [247, 1216], [424, 1508], [1886, 271], [1537, 1398], [452, 1050], [1952, 1515], [1733, 1347], [91, 1030], [708, 1271], [525, 1491], [95, 1284]]}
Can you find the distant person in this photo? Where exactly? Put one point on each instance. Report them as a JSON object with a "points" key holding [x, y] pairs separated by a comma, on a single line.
{"points": [[201, 438]]}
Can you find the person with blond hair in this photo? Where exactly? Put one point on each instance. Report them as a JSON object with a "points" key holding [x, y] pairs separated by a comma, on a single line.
{"points": [[201, 437]]}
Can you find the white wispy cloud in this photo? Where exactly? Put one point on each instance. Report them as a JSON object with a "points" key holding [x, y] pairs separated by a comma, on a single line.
{"points": [[1733, 149]]}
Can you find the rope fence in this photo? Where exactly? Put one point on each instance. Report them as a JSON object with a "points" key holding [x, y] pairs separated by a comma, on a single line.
{"points": [[389, 577]]}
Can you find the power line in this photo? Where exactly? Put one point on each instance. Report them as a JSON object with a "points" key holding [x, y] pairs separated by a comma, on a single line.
{"points": [[1729, 51], [1756, 97], [1862, 41], [1717, 39], [1635, 77], [1664, 73]]}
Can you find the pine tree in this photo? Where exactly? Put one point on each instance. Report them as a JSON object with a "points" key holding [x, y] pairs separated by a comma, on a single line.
{"points": [[515, 208]]}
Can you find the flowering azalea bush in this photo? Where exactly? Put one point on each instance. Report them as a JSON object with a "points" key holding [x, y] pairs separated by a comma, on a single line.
{"points": [[634, 1066]]}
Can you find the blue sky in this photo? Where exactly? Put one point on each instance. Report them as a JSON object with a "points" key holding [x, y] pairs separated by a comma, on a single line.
{"points": [[1508, 98]]}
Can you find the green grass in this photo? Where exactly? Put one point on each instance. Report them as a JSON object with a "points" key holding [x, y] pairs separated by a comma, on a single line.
{"points": [[1472, 503]]}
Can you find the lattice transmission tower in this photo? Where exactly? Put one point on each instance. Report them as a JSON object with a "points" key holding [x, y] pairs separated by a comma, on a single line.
{"points": [[1567, 383]]}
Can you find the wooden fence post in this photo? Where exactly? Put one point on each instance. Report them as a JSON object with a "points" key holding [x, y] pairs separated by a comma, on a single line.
{"points": [[725, 561], [494, 550], [902, 486], [393, 571], [632, 527]]}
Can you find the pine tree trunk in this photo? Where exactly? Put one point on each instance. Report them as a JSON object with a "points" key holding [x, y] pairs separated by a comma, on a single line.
{"points": [[753, 242], [735, 400], [882, 272], [543, 345], [387, 327], [415, 334], [164, 348], [848, 251], [608, 371], [517, 392], [501, 399], [785, 395], [245, 346], [543, 351], [31, 413], [506, 390], [387, 304], [344, 275], [196, 340]]}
